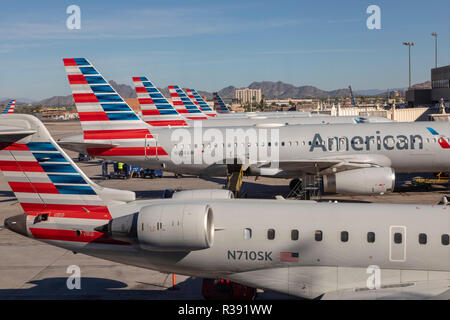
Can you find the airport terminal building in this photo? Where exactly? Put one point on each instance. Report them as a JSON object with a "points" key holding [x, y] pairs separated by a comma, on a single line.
{"points": [[440, 89]]}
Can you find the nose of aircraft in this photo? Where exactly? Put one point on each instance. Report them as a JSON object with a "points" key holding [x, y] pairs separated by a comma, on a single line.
{"points": [[17, 224]]}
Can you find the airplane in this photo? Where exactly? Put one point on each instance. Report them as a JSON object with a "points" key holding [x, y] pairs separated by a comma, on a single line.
{"points": [[198, 100], [240, 115], [219, 104], [158, 112], [302, 248], [185, 106], [9, 107], [223, 111], [354, 159]]}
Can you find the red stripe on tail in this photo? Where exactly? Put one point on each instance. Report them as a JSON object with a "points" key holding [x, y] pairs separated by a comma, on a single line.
{"points": [[33, 187], [26, 166]]}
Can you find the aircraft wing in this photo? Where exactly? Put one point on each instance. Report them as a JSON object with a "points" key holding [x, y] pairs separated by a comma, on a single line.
{"points": [[435, 290], [332, 164], [12, 134]]}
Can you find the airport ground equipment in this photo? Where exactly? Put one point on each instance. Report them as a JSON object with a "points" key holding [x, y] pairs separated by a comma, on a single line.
{"points": [[128, 171], [427, 183]]}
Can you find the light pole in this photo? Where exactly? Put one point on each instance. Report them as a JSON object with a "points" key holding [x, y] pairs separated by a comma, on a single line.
{"points": [[434, 34], [409, 44]]}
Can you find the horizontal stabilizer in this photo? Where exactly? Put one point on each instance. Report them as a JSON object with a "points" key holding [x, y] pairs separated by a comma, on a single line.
{"points": [[12, 134], [77, 144]]}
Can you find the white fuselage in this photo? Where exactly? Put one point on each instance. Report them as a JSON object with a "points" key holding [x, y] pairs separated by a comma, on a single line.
{"points": [[329, 263]]}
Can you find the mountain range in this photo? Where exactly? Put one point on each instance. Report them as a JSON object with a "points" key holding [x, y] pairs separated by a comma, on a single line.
{"points": [[271, 90]]}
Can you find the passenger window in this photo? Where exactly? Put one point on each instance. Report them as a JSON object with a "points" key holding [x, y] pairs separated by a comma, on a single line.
{"points": [[344, 236], [282, 143], [294, 234], [397, 238], [422, 238], [271, 234], [445, 239], [247, 233], [318, 235], [371, 237]]}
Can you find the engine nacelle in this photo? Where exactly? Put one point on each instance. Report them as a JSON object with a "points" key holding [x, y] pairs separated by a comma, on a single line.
{"points": [[203, 194], [175, 227], [361, 181], [165, 227]]}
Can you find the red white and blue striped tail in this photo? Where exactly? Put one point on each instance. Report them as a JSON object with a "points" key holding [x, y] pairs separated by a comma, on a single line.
{"points": [[44, 178], [156, 109], [106, 119], [219, 105], [104, 115], [185, 106], [200, 102], [9, 107], [55, 195]]}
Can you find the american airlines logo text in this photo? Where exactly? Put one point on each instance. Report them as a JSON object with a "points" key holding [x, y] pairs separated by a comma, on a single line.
{"points": [[367, 143]]}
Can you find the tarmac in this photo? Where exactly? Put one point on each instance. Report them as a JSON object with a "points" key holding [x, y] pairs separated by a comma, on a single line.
{"points": [[30, 269]]}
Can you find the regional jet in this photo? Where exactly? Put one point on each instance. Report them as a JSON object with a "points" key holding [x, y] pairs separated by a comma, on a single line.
{"points": [[301, 248]]}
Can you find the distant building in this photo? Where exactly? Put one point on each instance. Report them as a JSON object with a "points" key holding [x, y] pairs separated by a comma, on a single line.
{"points": [[247, 95], [440, 88]]}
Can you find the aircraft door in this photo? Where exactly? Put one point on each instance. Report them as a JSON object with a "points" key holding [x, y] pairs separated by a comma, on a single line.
{"points": [[151, 146], [397, 243]]}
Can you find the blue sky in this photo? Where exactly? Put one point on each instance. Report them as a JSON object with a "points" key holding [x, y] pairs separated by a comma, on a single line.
{"points": [[212, 44]]}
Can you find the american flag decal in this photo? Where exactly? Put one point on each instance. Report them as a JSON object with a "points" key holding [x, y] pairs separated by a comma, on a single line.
{"points": [[289, 256]]}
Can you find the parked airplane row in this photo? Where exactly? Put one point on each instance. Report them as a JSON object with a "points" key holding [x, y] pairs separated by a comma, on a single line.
{"points": [[352, 156], [306, 249], [301, 248]]}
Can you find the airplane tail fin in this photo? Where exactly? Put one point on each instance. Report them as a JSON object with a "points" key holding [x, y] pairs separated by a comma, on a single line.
{"points": [[184, 105], [220, 106], [44, 178], [106, 119], [103, 112], [9, 107], [156, 110], [199, 101]]}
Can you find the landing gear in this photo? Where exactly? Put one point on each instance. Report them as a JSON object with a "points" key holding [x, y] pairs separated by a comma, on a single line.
{"points": [[294, 183], [305, 187], [234, 180]]}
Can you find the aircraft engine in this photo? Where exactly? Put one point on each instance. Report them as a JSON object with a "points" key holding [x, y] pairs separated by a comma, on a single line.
{"points": [[361, 181], [166, 227]]}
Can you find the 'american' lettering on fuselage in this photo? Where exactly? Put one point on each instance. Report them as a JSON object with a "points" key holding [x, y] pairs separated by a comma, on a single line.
{"points": [[359, 143]]}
